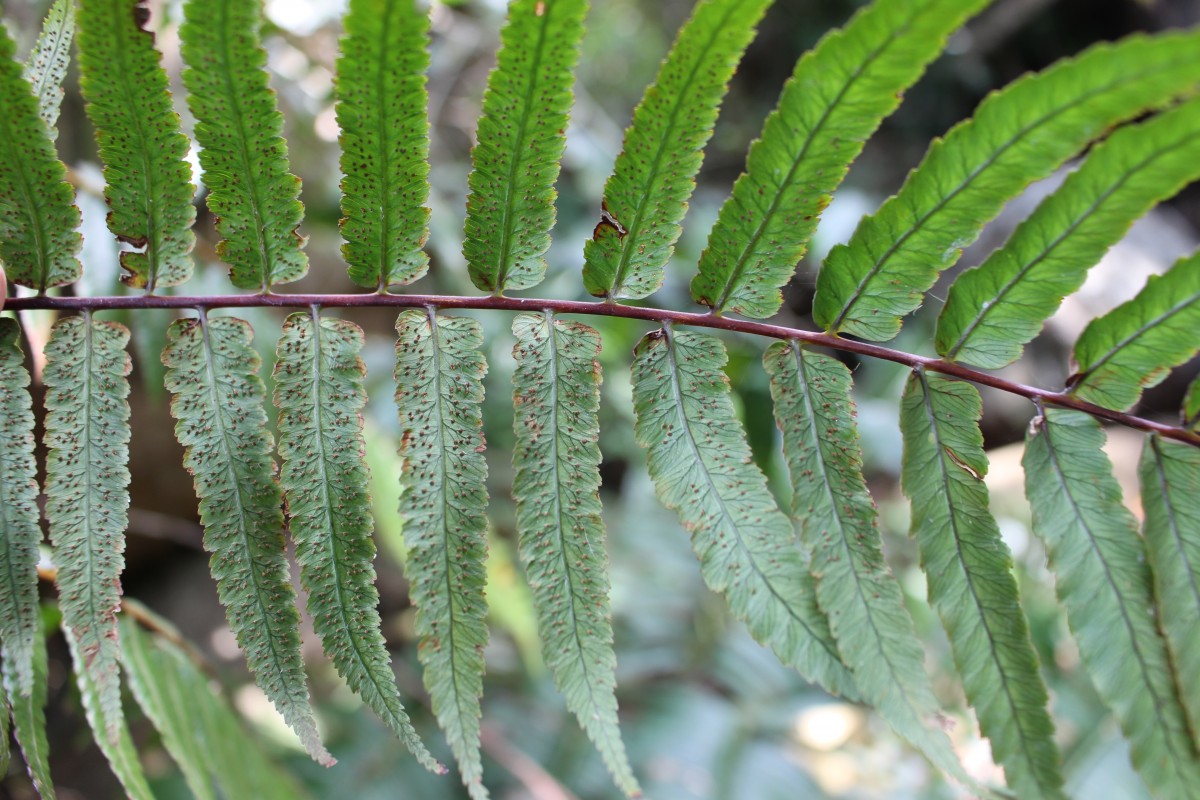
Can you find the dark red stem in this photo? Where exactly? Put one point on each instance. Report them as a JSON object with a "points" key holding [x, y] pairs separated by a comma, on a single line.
{"points": [[654, 315]]}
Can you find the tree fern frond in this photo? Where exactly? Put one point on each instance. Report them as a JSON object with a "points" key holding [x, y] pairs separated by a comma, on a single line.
{"points": [[1104, 582], [116, 744], [834, 101], [971, 585], [251, 191], [838, 528], [1170, 477], [521, 138], [1018, 135], [29, 714], [20, 532], [48, 63], [995, 309], [38, 216], [701, 467], [87, 493], [212, 373], [319, 393], [556, 395], [1136, 344], [381, 100], [439, 377], [147, 182], [647, 195], [173, 708]]}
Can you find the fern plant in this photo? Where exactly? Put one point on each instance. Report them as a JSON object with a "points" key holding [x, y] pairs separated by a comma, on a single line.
{"points": [[809, 579]]}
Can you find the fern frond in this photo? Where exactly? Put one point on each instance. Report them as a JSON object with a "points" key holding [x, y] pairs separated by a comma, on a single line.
{"points": [[38, 216], [836, 98], [29, 714], [20, 532], [381, 99], [48, 63], [1170, 477], [439, 377], [701, 467], [521, 137], [855, 589], [171, 705], [998, 307], [1136, 344], [254, 196], [212, 373], [319, 393], [647, 195], [556, 396], [1104, 583], [147, 182], [971, 583], [108, 725], [87, 494], [1018, 135]]}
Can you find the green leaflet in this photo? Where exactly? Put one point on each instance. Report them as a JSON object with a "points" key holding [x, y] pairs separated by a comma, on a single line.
{"points": [[1104, 582], [217, 399], [995, 309], [969, 570], [1136, 344], [1170, 477], [381, 100], [556, 397], [172, 705], [838, 529], [834, 101], [29, 714], [1191, 405], [48, 63], [521, 138], [701, 468], [20, 532], [199, 730], [38, 216], [116, 744], [319, 393], [87, 494], [147, 182], [251, 191], [647, 195], [439, 377], [1018, 135]]}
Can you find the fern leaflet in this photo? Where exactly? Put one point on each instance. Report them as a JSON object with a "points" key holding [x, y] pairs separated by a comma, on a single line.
{"points": [[381, 99], [29, 714], [20, 532], [147, 182], [439, 373], [1104, 582], [647, 195], [87, 493], [1018, 134], [319, 393], [212, 373], [1137, 343], [521, 137], [38, 216], [701, 468], [995, 309], [1170, 477], [251, 191], [556, 395], [48, 63], [971, 585], [1191, 405], [839, 93]]}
